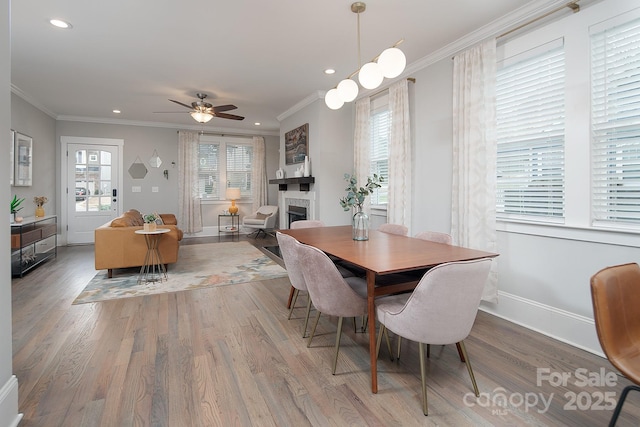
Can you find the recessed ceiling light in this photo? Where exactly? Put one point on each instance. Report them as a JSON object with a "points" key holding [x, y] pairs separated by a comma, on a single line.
{"points": [[60, 23], [329, 71], [117, 111], [257, 123]]}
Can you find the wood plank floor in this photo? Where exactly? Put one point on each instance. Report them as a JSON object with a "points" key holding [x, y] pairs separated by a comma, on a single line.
{"points": [[228, 356]]}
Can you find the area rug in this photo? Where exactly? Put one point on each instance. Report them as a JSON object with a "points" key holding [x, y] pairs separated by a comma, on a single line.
{"points": [[198, 266]]}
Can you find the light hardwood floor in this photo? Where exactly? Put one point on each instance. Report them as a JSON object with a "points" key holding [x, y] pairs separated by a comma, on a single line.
{"points": [[228, 356]]}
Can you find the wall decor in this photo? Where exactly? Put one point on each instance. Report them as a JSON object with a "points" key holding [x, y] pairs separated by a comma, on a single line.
{"points": [[296, 143], [23, 160], [155, 161], [11, 144], [138, 170]]}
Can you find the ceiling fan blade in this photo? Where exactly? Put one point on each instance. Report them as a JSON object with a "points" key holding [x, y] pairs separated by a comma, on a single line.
{"points": [[228, 116], [171, 112], [180, 103], [221, 108]]}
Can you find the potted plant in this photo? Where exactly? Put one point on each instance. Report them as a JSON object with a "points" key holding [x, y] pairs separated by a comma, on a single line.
{"points": [[14, 207], [355, 199], [150, 222]]}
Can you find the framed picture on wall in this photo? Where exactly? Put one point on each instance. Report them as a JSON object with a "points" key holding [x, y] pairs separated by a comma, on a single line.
{"points": [[296, 143], [22, 160], [11, 144]]}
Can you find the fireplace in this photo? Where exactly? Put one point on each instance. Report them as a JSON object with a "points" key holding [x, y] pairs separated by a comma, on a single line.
{"points": [[296, 213]]}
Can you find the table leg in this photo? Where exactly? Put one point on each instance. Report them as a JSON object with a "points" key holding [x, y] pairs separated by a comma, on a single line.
{"points": [[371, 309]]}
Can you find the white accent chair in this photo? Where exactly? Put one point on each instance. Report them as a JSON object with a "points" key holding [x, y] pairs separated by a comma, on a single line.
{"points": [[441, 310], [263, 220]]}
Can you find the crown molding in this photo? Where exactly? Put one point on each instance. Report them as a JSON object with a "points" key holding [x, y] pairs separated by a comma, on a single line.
{"points": [[31, 100], [319, 94]]}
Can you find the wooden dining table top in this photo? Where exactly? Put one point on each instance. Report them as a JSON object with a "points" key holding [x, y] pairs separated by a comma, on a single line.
{"points": [[383, 253]]}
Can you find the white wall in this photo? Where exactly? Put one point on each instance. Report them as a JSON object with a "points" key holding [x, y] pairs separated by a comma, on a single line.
{"points": [[8, 383]]}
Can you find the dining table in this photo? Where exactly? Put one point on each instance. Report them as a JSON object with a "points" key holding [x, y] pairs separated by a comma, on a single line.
{"points": [[383, 254]]}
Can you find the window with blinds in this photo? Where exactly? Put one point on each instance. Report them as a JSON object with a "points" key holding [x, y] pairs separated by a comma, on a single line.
{"points": [[222, 165], [615, 125], [530, 123], [380, 134], [239, 168]]}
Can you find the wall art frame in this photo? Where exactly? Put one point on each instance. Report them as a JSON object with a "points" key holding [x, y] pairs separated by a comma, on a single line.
{"points": [[296, 143], [22, 160]]}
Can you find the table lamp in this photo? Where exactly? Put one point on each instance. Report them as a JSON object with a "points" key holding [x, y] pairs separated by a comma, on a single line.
{"points": [[233, 194]]}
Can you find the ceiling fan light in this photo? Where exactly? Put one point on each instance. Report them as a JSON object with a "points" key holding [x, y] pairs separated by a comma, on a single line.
{"points": [[201, 117], [370, 75], [333, 100], [347, 90], [392, 62]]}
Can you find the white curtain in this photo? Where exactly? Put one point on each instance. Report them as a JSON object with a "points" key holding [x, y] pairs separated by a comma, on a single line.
{"points": [[259, 175], [362, 144], [189, 213], [473, 209], [400, 171]]}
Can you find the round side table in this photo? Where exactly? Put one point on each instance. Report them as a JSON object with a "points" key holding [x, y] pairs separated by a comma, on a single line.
{"points": [[153, 268]]}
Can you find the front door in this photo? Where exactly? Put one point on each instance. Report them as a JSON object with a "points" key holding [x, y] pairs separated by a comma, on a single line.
{"points": [[93, 175]]}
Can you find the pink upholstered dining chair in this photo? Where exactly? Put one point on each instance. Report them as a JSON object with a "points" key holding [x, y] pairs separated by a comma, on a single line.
{"points": [[398, 229], [306, 223], [441, 310], [292, 264], [331, 293], [435, 236]]}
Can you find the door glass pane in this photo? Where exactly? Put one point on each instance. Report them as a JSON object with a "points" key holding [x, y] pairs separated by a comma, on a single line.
{"points": [[93, 180]]}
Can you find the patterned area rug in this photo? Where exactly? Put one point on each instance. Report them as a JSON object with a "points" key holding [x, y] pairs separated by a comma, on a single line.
{"points": [[198, 266]]}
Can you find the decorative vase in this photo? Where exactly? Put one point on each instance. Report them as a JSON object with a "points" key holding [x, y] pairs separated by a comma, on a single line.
{"points": [[307, 166], [149, 226], [360, 226], [39, 211]]}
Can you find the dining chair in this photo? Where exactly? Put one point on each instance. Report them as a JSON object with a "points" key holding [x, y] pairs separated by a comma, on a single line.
{"points": [[292, 264], [615, 294], [331, 293], [441, 310], [398, 229], [435, 236], [306, 223]]}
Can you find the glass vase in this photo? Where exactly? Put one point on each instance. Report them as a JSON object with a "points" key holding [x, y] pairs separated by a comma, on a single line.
{"points": [[360, 226], [39, 211]]}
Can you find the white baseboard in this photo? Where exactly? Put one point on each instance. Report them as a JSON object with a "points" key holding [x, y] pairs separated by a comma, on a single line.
{"points": [[576, 330], [212, 231], [9, 403]]}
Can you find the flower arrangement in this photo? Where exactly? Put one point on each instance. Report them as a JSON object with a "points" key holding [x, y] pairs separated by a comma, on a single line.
{"points": [[356, 196], [150, 218], [14, 206], [40, 200]]}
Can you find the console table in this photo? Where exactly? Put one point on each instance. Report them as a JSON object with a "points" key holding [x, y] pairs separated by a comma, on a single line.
{"points": [[234, 228], [33, 241]]}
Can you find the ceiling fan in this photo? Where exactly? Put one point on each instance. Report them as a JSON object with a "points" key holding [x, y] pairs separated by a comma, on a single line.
{"points": [[203, 111]]}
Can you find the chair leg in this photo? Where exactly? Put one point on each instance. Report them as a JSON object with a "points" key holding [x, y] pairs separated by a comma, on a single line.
{"points": [[313, 331], [338, 334], [291, 292], [293, 303], [466, 361], [428, 351], [399, 344], [460, 352], [306, 318], [385, 331], [623, 396], [423, 375]]}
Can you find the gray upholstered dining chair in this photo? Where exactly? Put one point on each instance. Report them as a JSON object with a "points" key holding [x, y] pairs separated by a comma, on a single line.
{"points": [[398, 229], [292, 264], [435, 236], [331, 293], [441, 310]]}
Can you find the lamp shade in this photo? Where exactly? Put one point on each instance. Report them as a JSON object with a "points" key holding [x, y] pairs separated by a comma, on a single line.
{"points": [[333, 100], [201, 117], [347, 90], [233, 193], [370, 75], [392, 62]]}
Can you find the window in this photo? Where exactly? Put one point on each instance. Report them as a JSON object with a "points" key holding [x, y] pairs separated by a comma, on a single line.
{"points": [[223, 164], [615, 124], [380, 134], [530, 124]]}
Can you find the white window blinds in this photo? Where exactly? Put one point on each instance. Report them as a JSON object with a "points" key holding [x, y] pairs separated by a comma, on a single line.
{"points": [[380, 134], [530, 117], [615, 124], [208, 171], [239, 168]]}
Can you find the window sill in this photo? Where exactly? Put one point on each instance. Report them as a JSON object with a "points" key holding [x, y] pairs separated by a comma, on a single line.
{"points": [[562, 231]]}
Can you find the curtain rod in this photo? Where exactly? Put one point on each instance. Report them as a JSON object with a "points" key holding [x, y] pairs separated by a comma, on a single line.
{"points": [[571, 5], [245, 135], [410, 79]]}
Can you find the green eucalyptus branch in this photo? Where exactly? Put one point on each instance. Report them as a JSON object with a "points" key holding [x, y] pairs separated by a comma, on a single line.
{"points": [[356, 195]]}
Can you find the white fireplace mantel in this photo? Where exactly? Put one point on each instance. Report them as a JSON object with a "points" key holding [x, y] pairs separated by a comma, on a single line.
{"points": [[297, 198]]}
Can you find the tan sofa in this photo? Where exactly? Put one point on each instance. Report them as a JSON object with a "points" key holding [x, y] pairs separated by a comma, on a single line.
{"points": [[118, 246]]}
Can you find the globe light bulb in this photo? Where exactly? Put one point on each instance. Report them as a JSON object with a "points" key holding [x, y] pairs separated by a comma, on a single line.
{"points": [[333, 100], [370, 75], [347, 90], [392, 62]]}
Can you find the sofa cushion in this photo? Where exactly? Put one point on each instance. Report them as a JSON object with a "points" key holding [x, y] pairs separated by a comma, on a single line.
{"points": [[262, 216], [252, 221]]}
